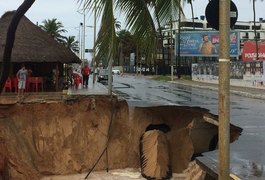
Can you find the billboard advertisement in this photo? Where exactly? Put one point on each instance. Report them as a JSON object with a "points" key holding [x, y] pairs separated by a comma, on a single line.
{"points": [[249, 51], [248, 73], [205, 43]]}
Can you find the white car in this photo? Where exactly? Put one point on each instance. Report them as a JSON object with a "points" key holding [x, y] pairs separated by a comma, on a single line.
{"points": [[116, 71]]}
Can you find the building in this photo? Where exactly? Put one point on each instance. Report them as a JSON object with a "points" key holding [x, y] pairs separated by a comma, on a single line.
{"points": [[245, 29]]}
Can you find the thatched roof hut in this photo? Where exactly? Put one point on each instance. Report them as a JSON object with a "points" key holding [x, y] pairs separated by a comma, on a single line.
{"points": [[32, 44], [36, 49]]}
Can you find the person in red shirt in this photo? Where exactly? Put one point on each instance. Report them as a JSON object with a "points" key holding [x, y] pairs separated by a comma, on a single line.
{"points": [[85, 72]]}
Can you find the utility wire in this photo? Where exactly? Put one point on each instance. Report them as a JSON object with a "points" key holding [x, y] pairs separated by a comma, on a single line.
{"points": [[113, 112]]}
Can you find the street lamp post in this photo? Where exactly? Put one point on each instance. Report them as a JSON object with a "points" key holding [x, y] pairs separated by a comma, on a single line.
{"points": [[94, 48], [84, 33], [80, 40], [94, 44]]}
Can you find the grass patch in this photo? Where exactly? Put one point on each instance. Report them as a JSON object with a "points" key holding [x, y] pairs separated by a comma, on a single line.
{"points": [[162, 78], [186, 77]]}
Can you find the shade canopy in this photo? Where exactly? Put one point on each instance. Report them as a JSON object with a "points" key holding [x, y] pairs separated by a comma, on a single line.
{"points": [[32, 44]]}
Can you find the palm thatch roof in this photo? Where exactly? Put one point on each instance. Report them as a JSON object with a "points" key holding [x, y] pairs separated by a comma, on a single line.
{"points": [[32, 44]]}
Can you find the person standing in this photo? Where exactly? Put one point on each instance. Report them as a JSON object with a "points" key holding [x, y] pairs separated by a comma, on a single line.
{"points": [[206, 47], [22, 76], [85, 73]]}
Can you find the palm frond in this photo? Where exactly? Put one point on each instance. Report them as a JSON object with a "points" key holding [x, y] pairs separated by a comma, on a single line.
{"points": [[106, 41], [54, 27], [167, 9], [140, 22]]}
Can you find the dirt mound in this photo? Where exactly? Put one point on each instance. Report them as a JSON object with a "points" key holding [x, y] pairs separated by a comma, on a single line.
{"points": [[155, 161]]}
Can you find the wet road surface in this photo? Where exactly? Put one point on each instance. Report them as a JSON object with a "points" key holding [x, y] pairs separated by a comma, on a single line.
{"points": [[247, 154]]}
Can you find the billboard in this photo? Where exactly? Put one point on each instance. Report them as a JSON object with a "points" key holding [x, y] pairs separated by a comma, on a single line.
{"points": [[205, 43], [249, 51], [248, 73]]}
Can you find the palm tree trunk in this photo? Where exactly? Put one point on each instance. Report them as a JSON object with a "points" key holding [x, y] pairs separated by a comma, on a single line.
{"points": [[137, 59], [121, 54], [255, 31], [10, 38], [192, 14], [163, 50]]}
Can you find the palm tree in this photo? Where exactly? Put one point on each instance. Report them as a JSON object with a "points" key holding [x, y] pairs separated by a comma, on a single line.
{"points": [[192, 11], [125, 43], [172, 9], [138, 17], [54, 28], [117, 24], [71, 43], [10, 38]]}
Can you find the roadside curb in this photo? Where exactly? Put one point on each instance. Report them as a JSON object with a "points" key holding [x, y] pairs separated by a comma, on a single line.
{"points": [[246, 92]]}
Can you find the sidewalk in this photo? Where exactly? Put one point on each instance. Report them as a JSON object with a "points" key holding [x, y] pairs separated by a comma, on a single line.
{"points": [[252, 92], [33, 97], [92, 89]]}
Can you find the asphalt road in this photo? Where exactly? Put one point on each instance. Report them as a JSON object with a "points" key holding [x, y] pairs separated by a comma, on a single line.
{"points": [[247, 154]]}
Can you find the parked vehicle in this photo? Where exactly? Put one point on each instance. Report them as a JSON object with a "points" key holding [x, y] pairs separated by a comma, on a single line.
{"points": [[103, 75], [116, 71]]}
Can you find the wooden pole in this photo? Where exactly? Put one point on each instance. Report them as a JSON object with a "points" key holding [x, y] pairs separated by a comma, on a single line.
{"points": [[224, 90], [57, 77]]}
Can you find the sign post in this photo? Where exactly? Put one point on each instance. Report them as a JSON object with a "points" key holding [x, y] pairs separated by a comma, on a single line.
{"points": [[221, 15], [224, 91]]}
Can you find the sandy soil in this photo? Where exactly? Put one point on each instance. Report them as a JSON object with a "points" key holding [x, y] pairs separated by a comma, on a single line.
{"points": [[119, 174], [66, 135]]}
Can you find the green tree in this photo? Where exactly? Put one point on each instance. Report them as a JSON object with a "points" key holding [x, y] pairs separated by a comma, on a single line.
{"points": [[54, 28], [125, 45], [139, 21], [71, 43], [10, 38], [192, 11]]}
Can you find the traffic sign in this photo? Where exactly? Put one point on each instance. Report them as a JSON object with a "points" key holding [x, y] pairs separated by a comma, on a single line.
{"points": [[212, 14]]}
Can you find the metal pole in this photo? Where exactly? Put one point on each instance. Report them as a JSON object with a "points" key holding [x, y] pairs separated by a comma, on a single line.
{"points": [[171, 50], [84, 34], [224, 90], [171, 43], [178, 61], [94, 48], [81, 41]]}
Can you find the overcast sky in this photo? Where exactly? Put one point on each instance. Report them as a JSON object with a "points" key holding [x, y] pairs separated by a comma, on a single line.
{"points": [[66, 12]]}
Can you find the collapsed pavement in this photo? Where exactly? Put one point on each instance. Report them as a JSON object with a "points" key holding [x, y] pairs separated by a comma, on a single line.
{"points": [[59, 137]]}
